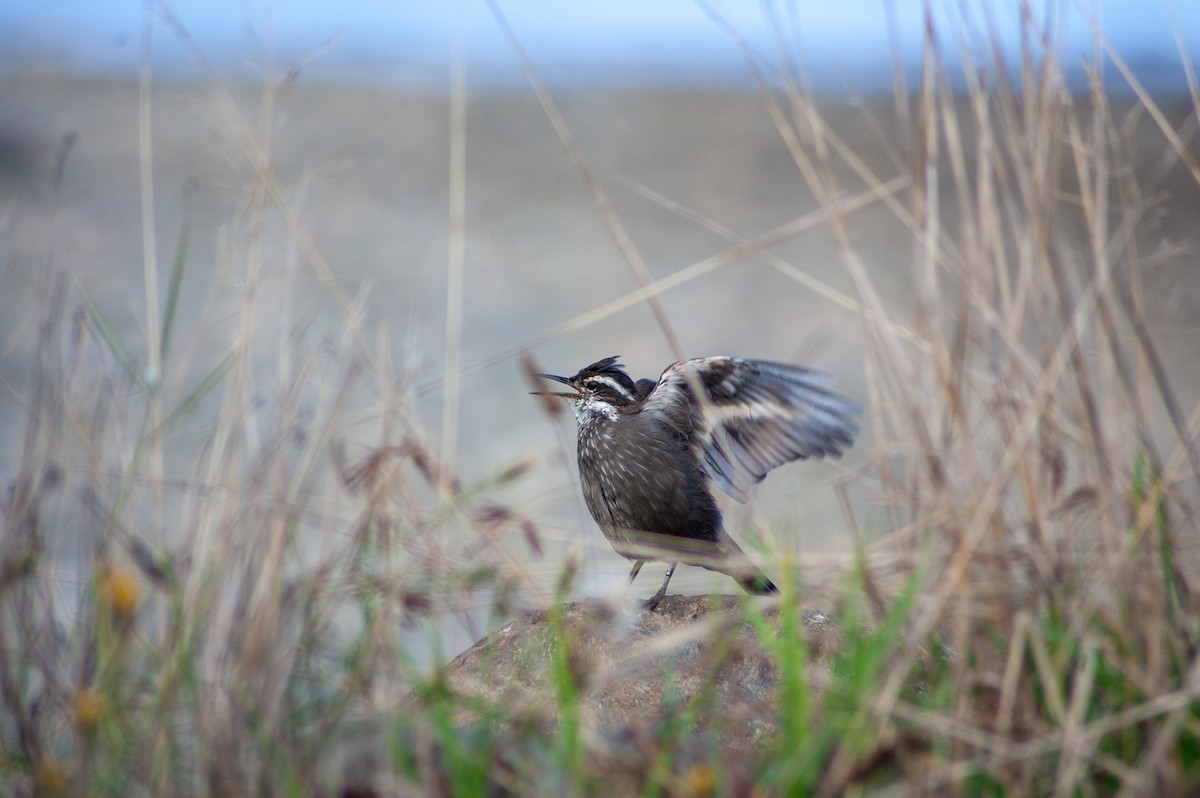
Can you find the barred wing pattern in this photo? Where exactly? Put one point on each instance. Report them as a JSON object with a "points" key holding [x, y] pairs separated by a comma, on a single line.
{"points": [[753, 415]]}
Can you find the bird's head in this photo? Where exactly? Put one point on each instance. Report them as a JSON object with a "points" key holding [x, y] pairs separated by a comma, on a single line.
{"points": [[601, 389]]}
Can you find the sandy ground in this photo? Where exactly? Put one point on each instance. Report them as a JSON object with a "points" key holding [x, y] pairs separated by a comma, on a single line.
{"points": [[366, 172]]}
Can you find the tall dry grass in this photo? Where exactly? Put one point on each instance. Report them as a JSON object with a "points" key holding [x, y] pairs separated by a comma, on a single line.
{"points": [[208, 623], [201, 572], [1031, 445]]}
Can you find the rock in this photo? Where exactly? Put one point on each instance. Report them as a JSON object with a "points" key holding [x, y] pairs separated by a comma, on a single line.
{"points": [[693, 676], [691, 681], [631, 669]]}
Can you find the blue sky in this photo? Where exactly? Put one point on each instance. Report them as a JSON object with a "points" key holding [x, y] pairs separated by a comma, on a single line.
{"points": [[615, 42]]}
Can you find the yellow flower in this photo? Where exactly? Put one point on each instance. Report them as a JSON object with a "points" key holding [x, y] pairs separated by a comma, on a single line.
{"points": [[120, 591], [699, 780], [51, 775], [89, 708]]}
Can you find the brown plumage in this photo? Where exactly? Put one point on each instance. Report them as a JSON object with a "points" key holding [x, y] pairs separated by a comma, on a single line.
{"points": [[650, 451]]}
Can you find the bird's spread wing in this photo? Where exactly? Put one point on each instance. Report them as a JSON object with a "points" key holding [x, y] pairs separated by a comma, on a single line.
{"points": [[753, 415]]}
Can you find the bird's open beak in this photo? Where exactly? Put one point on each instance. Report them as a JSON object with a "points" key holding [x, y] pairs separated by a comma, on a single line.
{"points": [[564, 381]]}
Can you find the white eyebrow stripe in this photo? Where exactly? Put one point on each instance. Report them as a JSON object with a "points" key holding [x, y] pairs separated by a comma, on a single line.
{"points": [[611, 383]]}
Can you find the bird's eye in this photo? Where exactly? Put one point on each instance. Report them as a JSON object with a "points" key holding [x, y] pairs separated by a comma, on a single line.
{"points": [[607, 386]]}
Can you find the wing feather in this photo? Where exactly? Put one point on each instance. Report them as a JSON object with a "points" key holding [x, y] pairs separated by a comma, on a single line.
{"points": [[752, 416]]}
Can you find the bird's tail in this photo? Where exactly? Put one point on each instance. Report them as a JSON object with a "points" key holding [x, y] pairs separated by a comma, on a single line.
{"points": [[760, 584], [722, 555], [737, 564]]}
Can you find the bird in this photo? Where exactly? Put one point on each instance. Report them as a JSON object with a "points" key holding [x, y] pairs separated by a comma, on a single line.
{"points": [[650, 452]]}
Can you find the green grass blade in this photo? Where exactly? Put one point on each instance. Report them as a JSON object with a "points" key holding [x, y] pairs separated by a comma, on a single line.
{"points": [[173, 288], [203, 389], [109, 335]]}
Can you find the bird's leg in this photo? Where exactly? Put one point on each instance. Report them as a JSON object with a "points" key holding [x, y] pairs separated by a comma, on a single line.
{"points": [[637, 566], [652, 604]]}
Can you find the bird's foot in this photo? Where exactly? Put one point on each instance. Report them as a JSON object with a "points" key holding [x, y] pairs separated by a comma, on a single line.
{"points": [[651, 604]]}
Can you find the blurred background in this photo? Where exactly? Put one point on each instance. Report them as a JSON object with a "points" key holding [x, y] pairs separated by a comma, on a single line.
{"points": [[849, 46], [135, 133]]}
